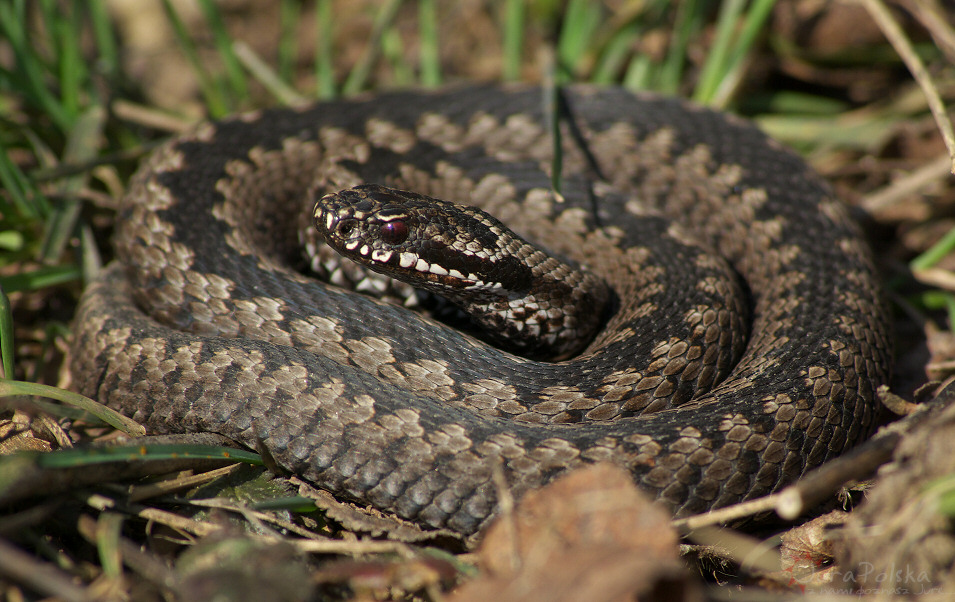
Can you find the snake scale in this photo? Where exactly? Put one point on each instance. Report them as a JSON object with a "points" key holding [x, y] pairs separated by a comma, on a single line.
{"points": [[206, 324]]}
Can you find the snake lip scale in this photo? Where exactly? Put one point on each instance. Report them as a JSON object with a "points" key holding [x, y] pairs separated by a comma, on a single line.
{"points": [[748, 336]]}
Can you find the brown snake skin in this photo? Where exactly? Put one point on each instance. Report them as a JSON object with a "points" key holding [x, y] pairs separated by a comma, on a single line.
{"points": [[203, 325]]}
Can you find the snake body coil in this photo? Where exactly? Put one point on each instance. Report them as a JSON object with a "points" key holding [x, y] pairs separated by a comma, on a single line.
{"points": [[203, 325]]}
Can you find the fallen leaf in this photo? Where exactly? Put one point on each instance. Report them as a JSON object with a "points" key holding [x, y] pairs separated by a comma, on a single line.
{"points": [[589, 535]]}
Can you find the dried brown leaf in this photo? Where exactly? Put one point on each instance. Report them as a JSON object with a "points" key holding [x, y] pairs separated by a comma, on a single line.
{"points": [[590, 535]]}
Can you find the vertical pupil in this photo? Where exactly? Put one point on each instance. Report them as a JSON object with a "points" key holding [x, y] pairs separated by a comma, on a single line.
{"points": [[394, 232]]}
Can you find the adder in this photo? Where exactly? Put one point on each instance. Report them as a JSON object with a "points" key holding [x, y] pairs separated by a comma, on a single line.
{"points": [[742, 336]]}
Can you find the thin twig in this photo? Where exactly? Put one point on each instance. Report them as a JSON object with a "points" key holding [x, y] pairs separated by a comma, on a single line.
{"points": [[728, 514], [808, 491]]}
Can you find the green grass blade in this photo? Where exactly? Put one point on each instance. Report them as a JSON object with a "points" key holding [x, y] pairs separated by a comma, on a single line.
{"points": [[11, 240], [615, 54], [724, 68], [430, 62], [58, 230], [90, 261], [943, 248], [753, 24], [689, 20], [29, 202], [295, 503], [514, 26], [714, 68], [290, 12], [239, 87], [358, 77], [846, 130], [938, 300], [109, 527], [6, 335], [40, 278], [107, 415], [264, 74], [29, 73], [792, 102], [72, 72], [71, 458], [639, 74], [214, 95], [579, 25], [82, 145], [324, 64], [108, 58], [551, 101], [392, 49]]}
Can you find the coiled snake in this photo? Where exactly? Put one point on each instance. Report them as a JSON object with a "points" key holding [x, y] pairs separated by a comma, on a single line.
{"points": [[204, 325]]}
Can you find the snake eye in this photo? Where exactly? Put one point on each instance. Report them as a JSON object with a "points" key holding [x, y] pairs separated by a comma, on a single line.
{"points": [[394, 232]]}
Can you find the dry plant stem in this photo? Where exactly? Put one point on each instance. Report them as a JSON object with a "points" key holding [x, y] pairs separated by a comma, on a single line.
{"points": [[727, 514], [42, 577], [353, 548], [941, 367], [933, 18], [808, 491], [146, 565], [507, 513], [754, 555], [901, 190], [896, 403], [179, 523], [151, 118], [258, 519], [142, 492], [880, 14], [936, 277], [821, 483]]}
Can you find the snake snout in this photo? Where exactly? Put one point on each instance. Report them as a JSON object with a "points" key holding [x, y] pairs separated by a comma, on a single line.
{"points": [[324, 215], [334, 219]]}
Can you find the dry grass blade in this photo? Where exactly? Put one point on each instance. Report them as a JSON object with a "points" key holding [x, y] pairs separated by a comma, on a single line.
{"points": [[41, 576], [903, 46], [902, 190]]}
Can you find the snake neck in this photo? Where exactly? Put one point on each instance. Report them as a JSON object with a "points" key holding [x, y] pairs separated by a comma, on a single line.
{"points": [[522, 297]]}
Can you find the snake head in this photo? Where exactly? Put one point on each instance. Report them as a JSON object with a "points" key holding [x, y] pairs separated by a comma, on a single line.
{"points": [[521, 296], [409, 236], [368, 224]]}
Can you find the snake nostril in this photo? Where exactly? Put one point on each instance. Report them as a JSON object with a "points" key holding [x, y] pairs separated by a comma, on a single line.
{"points": [[346, 227]]}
